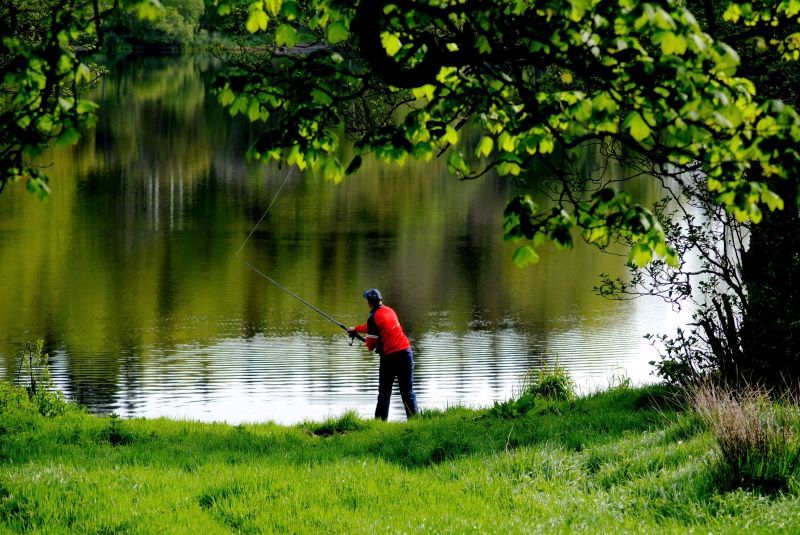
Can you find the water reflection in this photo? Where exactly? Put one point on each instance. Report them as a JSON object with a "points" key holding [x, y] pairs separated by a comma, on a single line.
{"points": [[129, 273]]}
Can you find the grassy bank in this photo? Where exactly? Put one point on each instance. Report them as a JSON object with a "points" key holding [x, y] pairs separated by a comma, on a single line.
{"points": [[614, 461]]}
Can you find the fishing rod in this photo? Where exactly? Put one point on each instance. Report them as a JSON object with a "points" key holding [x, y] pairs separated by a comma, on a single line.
{"points": [[276, 283]]}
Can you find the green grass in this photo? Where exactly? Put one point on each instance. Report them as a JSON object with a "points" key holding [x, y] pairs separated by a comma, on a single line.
{"points": [[616, 461]]}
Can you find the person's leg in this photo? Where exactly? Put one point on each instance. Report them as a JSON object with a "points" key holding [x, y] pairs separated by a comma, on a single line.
{"points": [[405, 376], [386, 375]]}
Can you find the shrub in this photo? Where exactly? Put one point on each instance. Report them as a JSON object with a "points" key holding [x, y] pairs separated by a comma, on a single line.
{"points": [[758, 437], [35, 367], [553, 384]]}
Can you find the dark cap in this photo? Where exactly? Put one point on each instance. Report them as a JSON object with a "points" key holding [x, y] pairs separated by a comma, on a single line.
{"points": [[372, 295]]}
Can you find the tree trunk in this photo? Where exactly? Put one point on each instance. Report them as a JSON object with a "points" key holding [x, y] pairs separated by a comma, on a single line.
{"points": [[770, 330]]}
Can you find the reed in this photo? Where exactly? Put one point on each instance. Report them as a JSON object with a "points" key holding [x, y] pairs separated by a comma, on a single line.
{"points": [[758, 435]]}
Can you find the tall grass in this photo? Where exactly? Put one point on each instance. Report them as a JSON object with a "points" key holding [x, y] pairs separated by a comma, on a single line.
{"points": [[758, 436], [34, 375], [549, 383]]}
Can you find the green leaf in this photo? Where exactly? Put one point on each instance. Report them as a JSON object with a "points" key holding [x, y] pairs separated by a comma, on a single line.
{"points": [[456, 162], [66, 103], [297, 157], [509, 168], [583, 111], [546, 145], [291, 10], [640, 255], [597, 235], [273, 6], [68, 137], [772, 200], [637, 126], [226, 96], [482, 43], [257, 20], [86, 106], [424, 91], [506, 143], [332, 170], [728, 60], [603, 101], [149, 9], [83, 73], [391, 43], [286, 35], [253, 111], [485, 146], [239, 105], [524, 255], [321, 97], [579, 7], [450, 135], [38, 186], [732, 13], [337, 32], [445, 73], [672, 43], [45, 123]]}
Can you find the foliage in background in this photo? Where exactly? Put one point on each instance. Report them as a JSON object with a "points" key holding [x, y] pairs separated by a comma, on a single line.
{"points": [[175, 25], [758, 438]]}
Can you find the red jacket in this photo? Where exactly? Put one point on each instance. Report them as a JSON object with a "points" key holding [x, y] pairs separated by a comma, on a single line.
{"points": [[384, 332]]}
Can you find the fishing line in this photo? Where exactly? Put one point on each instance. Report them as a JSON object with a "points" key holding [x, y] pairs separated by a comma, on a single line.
{"points": [[270, 279]]}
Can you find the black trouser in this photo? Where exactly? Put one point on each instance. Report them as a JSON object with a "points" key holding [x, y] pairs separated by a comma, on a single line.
{"points": [[401, 365]]}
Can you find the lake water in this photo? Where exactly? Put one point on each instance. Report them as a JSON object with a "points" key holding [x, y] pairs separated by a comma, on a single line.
{"points": [[129, 273]]}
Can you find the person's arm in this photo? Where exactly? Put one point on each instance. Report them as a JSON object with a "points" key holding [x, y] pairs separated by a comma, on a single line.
{"points": [[371, 339]]}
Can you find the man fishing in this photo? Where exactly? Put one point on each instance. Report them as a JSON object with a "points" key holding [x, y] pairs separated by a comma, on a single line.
{"points": [[385, 335]]}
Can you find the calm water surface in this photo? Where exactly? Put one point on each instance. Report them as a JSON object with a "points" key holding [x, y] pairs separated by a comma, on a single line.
{"points": [[129, 274]]}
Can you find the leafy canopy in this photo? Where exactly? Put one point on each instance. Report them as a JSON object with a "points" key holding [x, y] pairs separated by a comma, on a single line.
{"points": [[535, 79]]}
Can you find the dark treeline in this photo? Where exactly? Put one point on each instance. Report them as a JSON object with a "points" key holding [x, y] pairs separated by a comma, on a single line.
{"points": [[179, 25]]}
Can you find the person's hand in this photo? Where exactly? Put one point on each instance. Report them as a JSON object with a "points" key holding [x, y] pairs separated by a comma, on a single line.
{"points": [[352, 332]]}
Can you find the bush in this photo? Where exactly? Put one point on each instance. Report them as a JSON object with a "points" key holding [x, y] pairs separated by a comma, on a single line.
{"points": [[42, 394], [12, 397], [758, 437], [554, 384]]}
